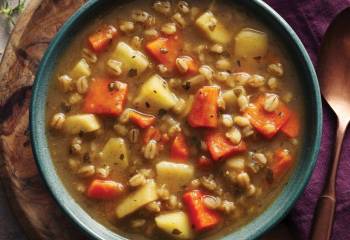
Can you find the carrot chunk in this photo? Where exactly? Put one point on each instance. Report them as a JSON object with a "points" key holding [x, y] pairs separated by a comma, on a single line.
{"points": [[165, 50], [267, 123], [179, 150], [104, 189], [142, 120], [164, 138], [292, 126], [106, 97], [220, 147], [151, 133], [283, 161], [205, 163], [201, 217], [100, 40], [204, 112]]}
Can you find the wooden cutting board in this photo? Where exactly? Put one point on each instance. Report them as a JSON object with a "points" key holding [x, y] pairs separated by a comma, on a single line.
{"points": [[35, 209]]}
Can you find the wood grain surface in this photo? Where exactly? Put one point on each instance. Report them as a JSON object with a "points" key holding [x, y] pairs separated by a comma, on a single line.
{"points": [[37, 212], [34, 207]]}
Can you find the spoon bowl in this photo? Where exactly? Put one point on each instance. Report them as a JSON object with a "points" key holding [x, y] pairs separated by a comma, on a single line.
{"points": [[334, 65]]}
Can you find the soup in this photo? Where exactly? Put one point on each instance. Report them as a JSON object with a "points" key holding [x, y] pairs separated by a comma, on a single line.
{"points": [[174, 120]]}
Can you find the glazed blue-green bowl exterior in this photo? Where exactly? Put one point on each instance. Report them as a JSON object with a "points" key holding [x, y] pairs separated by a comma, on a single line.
{"points": [[291, 191]]}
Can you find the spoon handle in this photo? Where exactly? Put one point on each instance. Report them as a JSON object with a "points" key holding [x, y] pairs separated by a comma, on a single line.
{"points": [[323, 218], [324, 214]]}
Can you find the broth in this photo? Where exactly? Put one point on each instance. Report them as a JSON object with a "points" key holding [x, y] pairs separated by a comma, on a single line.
{"points": [[236, 163]]}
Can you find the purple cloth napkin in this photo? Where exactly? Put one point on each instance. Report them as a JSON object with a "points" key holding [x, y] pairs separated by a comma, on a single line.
{"points": [[310, 19]]}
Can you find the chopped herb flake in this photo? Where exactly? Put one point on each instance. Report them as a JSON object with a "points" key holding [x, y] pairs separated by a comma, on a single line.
{"points": [[162, 112], [212, 27], [176, 232], [66, 107], [86, 157], [187, 85], [269, 176], [132, 72]]}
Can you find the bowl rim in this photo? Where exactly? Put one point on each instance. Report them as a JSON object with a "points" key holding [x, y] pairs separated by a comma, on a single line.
{"points": [[67, 203]]}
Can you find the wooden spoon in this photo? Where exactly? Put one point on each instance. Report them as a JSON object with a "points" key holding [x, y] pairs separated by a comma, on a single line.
{"points": [[334, 77]]}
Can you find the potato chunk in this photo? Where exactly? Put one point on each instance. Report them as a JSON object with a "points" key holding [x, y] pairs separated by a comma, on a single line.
{"points": [[155, 94], [81, 69], [81, 123], [251, 43], [115, 152], [174, 175], [133, 62], [176, 224], [146, 194], [213, 29]]}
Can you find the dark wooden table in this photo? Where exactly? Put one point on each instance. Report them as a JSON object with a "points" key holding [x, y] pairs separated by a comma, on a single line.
{"points": [[9, 227]]}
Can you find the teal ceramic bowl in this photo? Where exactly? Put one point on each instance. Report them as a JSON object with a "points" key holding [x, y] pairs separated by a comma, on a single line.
{"points": [[261, 224]]}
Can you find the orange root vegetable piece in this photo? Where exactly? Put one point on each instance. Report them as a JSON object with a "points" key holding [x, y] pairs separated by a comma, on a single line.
{"points": [[292, 126], [106, 97], [283, 161], [100, 40], [267, 123], [165, 50], [142, 120], [221, 147], [165, 138], [205, 163], [179, 150], [201, 217], [204, 112], [151, 133], [104, 189]]}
